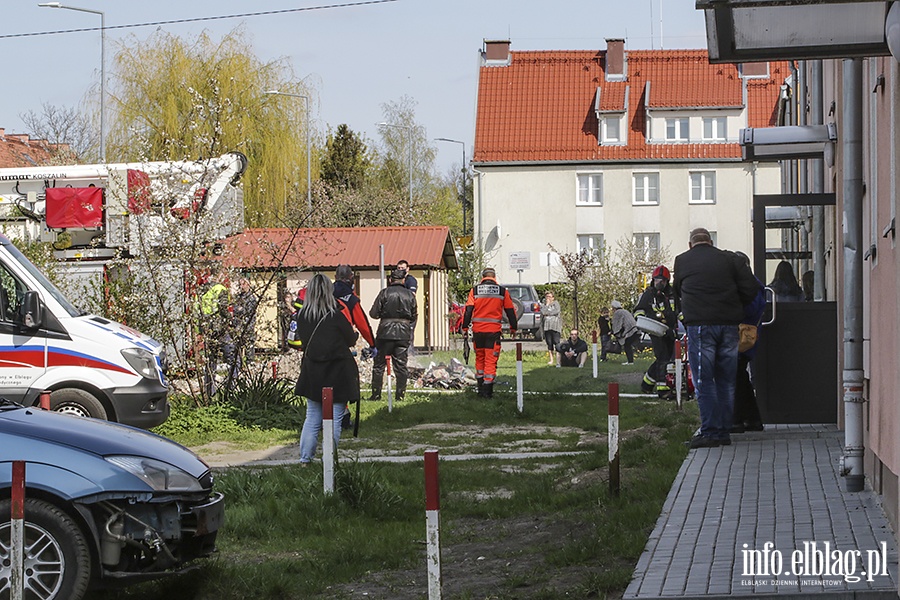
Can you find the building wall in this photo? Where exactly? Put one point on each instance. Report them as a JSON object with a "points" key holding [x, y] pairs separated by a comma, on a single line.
{"points": [[536, 206], [881, 294]]}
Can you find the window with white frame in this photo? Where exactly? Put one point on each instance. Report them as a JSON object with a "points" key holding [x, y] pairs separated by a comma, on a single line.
{"points": [[591, 242], [646, 243], [677, 130], [646, 188], [714, 129], [703, 187], [612, 129], [590, 189]]}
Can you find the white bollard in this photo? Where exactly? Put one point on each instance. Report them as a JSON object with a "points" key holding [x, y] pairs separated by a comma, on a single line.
{"points": [[520, 403], [594, 337], [390, 393], [433, 524], [328, 439], [678, 373]]}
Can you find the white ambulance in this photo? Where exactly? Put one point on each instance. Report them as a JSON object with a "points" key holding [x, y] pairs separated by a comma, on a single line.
{"points": [[91, 366]]}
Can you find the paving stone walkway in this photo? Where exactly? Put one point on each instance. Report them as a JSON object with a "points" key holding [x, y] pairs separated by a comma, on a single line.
{"points": [[768, 515]]}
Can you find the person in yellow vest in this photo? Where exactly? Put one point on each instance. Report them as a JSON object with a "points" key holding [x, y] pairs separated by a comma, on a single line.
{"points": [[215, 329]]}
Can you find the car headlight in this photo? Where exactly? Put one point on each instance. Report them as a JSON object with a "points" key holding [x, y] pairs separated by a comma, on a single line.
{"points": [[141, 361], [160, 476]]}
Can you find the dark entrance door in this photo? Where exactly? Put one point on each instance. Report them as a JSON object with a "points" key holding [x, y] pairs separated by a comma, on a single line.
{"points": [[796, 367]]}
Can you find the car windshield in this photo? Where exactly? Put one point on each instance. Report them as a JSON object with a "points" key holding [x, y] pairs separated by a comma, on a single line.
{"points": [[521, 293], [40, 278]]}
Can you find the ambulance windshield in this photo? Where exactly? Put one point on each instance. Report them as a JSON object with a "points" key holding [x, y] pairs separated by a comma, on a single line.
{"points": [[40, 278]]}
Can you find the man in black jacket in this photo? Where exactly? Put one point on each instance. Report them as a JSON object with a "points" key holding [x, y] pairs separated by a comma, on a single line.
{"points": [[711, 288], [395, 308]]}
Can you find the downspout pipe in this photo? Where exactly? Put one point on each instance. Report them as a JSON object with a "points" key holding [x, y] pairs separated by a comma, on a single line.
{"points": [[817, 117], [852, 185]]}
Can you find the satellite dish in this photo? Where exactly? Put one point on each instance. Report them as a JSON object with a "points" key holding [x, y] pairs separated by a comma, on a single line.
{"points": [[493, 238]]}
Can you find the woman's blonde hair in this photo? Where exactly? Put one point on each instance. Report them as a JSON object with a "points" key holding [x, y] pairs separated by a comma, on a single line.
{"points": [[319, 301]]}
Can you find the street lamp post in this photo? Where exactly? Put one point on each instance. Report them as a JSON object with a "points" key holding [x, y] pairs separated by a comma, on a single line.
{"points": [[462, 192], [308, 169], [409, 148], [102, 67]]}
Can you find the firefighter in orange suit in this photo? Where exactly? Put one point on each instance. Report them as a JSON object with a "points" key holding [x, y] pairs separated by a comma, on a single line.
{"points": [[484, 312]]}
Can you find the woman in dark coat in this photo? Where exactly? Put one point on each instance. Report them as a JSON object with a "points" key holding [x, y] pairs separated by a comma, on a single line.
{"points": [[326, 336]]}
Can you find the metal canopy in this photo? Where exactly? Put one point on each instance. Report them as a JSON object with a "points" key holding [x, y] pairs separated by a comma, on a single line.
{"points": [[789, 142], [762, 30]]}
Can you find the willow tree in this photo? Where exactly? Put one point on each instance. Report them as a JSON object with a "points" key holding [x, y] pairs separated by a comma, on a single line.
{"points": [[177, 99]]}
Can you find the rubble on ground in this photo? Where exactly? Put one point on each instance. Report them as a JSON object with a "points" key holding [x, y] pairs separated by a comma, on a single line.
{"points": [[455, 376]]}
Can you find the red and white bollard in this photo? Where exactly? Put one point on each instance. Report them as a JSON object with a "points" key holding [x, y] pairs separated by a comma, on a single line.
{"points": [[274, 370], [594, 345], [613, 434], [520, 388], [433, 524], [17, 533], [45, 400], [678, 373], [328, 439]]}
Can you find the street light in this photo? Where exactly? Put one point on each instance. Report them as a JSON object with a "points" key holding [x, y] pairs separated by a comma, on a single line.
{"points": [[102, 67], [409, 146], [462, 193], [308, 169]]}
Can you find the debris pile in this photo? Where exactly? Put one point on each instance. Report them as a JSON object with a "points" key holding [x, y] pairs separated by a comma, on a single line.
{"points": [[455, 376]]}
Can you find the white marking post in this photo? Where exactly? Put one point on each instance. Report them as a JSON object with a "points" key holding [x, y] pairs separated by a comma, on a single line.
{"points": [[17, 531], [520, 403], [433, 524], [613, 431], [594, 338], [678, 373], [328, 439], [390, 394]]}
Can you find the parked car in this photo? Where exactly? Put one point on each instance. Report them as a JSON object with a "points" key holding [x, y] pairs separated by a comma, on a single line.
{"points": [[104, 503], [528, 309]]}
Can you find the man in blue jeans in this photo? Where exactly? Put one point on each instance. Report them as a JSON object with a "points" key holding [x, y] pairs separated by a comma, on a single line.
{"points": [[711, 288]]}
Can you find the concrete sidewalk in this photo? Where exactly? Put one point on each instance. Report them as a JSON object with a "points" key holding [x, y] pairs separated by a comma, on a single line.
{"points": [[734, 511]]}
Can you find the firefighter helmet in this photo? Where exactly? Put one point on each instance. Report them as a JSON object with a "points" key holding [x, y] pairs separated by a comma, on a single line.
{"points": [[661, 271]]}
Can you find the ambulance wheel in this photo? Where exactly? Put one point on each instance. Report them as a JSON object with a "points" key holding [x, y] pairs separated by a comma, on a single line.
{"points": [[72, 401]]}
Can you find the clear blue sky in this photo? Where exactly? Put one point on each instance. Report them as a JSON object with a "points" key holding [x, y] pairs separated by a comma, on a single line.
{"points": [[354, 58]]}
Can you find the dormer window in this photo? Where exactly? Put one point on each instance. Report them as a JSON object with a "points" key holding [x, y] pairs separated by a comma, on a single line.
{"points": [[611, 128], [677, 130]]}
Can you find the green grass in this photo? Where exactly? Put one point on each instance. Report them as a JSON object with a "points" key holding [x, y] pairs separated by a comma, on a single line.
{"points": [[283, 538]]}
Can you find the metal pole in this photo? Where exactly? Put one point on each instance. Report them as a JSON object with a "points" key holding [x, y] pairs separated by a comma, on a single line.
{"points": [[409, 148], [102, 66], [308, 161], [851, 130], [520, 387], [464, 170]]}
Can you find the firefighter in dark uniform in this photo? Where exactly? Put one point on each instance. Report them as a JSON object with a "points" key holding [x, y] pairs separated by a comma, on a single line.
{"points": [[484, 312], [658, 303]]}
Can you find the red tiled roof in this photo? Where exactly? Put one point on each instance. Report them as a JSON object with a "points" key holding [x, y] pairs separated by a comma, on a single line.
{"points": [[328, 248], [540, 108], [613, 96], [19, 150]]}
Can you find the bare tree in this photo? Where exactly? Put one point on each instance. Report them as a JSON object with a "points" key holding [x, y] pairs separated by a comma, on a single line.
{"points": [[66, 129]]}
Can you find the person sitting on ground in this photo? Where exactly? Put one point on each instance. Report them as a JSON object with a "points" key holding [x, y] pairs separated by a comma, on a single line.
{"points": [[573, 351]]}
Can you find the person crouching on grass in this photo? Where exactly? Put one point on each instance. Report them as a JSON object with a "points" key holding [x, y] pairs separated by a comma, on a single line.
{"points": [[326, 336], [573, 351]]}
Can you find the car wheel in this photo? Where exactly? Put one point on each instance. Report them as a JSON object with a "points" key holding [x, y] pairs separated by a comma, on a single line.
{"points": [[72, 401], [57, 559]]}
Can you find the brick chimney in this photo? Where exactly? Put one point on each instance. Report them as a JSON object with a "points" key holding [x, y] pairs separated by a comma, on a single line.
{"points": [[615, 60], [495, 53]]}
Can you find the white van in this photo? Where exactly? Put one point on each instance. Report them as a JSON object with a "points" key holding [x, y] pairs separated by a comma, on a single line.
{"points": [[92, 367]]}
